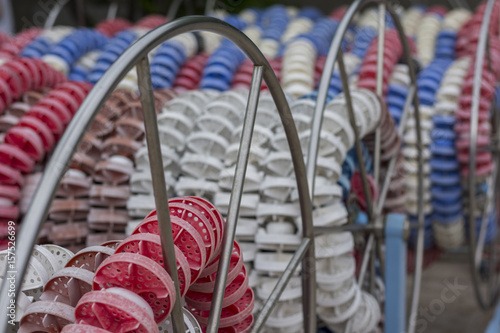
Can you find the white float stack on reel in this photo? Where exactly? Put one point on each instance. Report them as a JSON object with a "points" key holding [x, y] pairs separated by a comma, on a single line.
{"points": [[247, 227], [339, 296], [176, 119], [449, 235]]}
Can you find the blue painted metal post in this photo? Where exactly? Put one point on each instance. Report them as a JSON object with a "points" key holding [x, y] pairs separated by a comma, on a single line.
{"points": [[395, 274], [494, 326]]}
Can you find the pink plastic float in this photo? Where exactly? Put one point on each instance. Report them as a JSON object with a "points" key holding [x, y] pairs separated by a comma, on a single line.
{"points": [[149, 245], [206, 282], [190, 242], [139, 274], [115, 310]]}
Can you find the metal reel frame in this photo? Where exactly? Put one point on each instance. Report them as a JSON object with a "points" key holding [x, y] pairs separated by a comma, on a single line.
{"points": [[476, 247], [138, 55], [373, 247]]}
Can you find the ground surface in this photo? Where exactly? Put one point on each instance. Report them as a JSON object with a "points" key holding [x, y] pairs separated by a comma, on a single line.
{"points": [[445, 309]]}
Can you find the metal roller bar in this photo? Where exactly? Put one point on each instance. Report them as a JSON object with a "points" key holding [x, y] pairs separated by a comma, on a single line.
{"points": [[159, 185], [380, 83], [481, 239], [324, 83], [376, 169], [356, 6], [280, 286], [392, 164], [377, 251], [173, 9], [362, 168], [357, 138], [366, 255], [235, 200], [209, 7], [419, 255], [112, 11], [318, 231]]}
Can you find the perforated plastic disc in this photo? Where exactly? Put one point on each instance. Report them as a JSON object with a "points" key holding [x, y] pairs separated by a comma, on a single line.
{"points": [[149, 245], [118, 312]]}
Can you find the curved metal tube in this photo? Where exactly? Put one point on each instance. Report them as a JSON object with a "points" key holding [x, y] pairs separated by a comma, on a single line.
{"points": [[476, 94], [112, 10], [209, 7], [45, 192], [159, 185], [173, 9], [54, 13], [333, 53], [324, 83], [419, 257]]}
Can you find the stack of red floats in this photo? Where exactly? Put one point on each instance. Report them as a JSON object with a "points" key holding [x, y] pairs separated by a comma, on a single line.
{"points": [[118, 133], [11, 47], [243, 76], [189, 75], [110, 28], [390, 138], [467, 43], [34, 126], [393, 51], [133, 291]]}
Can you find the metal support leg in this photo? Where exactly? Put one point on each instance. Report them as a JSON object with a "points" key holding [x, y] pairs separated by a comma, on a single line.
{"points": [[235, 200], [395, 274], [494, 325]]}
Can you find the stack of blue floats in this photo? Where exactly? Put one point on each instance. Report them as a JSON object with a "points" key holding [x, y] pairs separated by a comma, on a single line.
{"points": [[224, 62], [321, 34], [166, 64], [112, 50], [428, 83], [70, 49], [446, 189], [396, 99], [274, 22], [37, 48], [362, 40]]}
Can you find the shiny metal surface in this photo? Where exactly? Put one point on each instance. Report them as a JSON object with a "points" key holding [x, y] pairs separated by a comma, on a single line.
{"points": [[54, 13], [159, 185], [173, 9], [209, 7], [332, 57], [59, 5], [112, 10], [487, 299], [280, 286], [235, 200]]}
